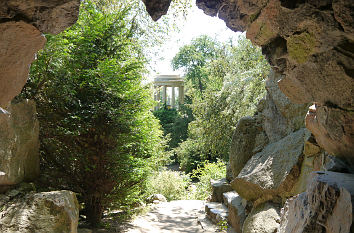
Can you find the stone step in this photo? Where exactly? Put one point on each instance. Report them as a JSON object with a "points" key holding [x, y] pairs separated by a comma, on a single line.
{"points": [[216, 212], [228, 197], [236, 209]]}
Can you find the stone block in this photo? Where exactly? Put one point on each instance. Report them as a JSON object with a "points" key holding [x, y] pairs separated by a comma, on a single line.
{"points": [[218, 188], [19, 144], [262, 219], [274, 171], [216, 212], [237, 212]]}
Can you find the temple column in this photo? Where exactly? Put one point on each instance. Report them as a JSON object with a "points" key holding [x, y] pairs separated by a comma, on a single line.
{"points": [[181, 94], [164, 94], [173, 102], [157, 98]]}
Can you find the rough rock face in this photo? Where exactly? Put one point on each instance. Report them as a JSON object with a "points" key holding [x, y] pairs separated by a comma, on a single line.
{"points": [[311, 44], [19, 143], [262, 219], [21, 26], [280, 116], [55, 212], [333, 129], [157, 8], [274, 171], [48, 16], [326, 206]]}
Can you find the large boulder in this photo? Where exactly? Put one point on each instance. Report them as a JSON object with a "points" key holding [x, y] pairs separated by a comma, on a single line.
{"points": [[326, 206], [244, 141], [55, 212], [274, 171], [19, 143], [262, 219], [21, 26]]}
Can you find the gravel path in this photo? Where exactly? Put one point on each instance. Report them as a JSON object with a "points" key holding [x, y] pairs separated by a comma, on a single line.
{"points": [[175, 216]]}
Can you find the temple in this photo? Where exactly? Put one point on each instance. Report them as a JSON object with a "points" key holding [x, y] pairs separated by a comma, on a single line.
{"points": [[161, 83]]}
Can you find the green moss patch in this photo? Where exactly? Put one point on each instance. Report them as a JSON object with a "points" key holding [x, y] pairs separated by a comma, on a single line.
{"points": [[301, 46]]}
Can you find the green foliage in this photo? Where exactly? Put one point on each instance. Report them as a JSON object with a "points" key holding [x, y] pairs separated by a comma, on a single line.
{"points": [[190, 153], [193, 59], [205, 173], [98, 136], [174, 124], [234, 83], [178, 186], [172, 184], [222, 225]]}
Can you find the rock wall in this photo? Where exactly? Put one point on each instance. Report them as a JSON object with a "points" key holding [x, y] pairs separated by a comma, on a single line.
{"points": [[271, 159]]}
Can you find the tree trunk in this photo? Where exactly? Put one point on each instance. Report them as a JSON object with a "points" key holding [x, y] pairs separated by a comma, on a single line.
{"points": [[94, 209]]}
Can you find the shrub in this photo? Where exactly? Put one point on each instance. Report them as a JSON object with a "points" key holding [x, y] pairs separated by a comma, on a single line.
{"points": [[190, 154], [204, 173], [172, 184]]}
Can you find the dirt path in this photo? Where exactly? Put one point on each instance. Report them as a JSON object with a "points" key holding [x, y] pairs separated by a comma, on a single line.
{"points": [[175, 216]]}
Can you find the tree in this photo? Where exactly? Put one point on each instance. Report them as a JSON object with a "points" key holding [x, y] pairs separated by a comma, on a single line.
{"points": [[98, 136], [234, 84], [194, 57]]}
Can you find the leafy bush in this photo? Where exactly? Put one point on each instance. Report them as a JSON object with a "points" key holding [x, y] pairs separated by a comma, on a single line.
{"points": [[172, 184], [204, 173]]}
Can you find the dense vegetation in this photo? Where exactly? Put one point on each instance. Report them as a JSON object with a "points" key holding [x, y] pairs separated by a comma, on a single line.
{"points": [[224, 82], [98, 136]]}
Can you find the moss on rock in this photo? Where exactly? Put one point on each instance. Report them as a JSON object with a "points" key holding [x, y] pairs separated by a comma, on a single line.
{"points": [[301, 46]]}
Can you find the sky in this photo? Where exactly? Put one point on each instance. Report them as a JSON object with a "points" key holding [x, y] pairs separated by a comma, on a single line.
{"points": [[197, 24]]}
